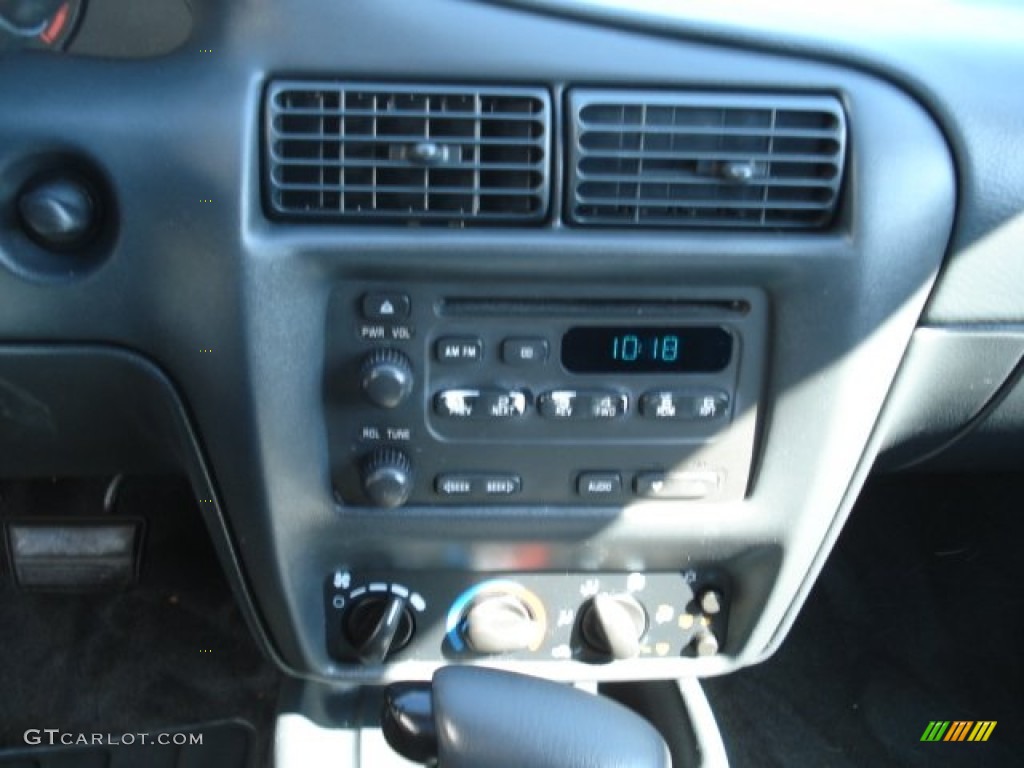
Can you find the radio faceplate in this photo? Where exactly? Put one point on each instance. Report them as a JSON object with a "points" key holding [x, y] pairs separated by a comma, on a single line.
{"points": [[441, 398]]}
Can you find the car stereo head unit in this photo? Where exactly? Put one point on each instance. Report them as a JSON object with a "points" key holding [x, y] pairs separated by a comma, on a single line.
{"points": [[514, 399]]}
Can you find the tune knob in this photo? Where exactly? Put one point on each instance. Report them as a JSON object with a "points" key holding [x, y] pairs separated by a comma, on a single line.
{"points": [[387, 378], [378, 626], [612, 625], [387, 478]]}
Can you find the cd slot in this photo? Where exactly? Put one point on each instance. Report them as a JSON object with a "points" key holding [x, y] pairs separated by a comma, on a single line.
{"points": [[583, 308]]}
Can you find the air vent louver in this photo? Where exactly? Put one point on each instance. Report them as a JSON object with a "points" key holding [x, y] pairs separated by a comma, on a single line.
{"points": [[725, 161], [404, 153]]}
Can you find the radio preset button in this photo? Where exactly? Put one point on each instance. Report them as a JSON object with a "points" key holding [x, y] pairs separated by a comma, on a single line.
{"points": [[582, 405], [599, 484], [459, 349], [668, 405], [524, 351], [480, 404]]}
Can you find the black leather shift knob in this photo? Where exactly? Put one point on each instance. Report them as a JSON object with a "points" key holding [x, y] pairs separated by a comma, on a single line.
{"points": [[490, 719]]}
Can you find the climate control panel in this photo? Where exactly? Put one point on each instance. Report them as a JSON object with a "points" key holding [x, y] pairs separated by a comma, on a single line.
{"points": [[436, 399], [591, 618]]}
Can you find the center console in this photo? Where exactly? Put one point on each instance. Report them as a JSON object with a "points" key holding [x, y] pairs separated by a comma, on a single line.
{"points": [[446, 396]]}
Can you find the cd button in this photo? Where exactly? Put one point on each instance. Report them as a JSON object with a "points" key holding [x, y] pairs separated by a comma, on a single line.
{"points": [[524, 351], [560, 404], [604, 405], [497, 404], [665, 405], [480, 404], [710, 406], [457, 403], [587, 405]]}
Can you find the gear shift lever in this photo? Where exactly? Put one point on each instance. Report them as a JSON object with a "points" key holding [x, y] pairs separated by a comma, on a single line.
{"points": [[482, 718]]}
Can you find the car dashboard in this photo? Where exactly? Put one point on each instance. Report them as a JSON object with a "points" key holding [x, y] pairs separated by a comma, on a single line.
{"points": [[557, 337]]}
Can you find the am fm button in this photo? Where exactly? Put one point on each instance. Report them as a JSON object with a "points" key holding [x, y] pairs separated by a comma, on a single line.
{"points": [[459, 349]]}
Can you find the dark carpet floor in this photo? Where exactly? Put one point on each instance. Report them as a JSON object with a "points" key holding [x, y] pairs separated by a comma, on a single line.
{"points": [[171, 651], [918, 616]]}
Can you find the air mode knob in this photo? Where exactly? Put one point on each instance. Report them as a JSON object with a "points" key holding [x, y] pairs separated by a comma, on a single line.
{"points": [[387, 478], [386, 377], [612, 625]]}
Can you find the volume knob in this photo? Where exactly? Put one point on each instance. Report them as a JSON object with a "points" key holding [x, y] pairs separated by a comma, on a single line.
{"points": [[387, 478], [387, 378]]}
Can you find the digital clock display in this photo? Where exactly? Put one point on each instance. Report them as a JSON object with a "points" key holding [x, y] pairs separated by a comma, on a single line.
{"points": [[647, 349]]}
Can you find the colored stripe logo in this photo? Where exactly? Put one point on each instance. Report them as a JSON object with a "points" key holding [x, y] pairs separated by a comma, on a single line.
{"points": [[958, 730]]}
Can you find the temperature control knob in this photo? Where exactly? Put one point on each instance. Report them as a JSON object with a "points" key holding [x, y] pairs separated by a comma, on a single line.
{"points": [[500, 623], [387, 378], [612, 625], [378, 625], [387, 478]]}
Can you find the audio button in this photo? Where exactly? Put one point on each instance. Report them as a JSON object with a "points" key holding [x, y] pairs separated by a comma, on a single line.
{"points": [[597, 485]]}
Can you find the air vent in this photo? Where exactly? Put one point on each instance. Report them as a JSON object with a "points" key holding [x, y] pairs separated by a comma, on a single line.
{"points": [[662, 159], [410, 154]]}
